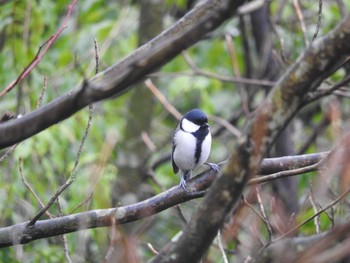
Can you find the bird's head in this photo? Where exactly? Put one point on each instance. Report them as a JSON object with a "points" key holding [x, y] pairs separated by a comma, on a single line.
{"points": [[194, 120]]}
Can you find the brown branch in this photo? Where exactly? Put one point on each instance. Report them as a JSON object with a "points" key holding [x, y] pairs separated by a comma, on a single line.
{"points": [[163, 100], [318, 62], [220, 77], [124, 214], [300, 17], [315, 215], [22, 233], [40, 54], [319, 17], [283, 174], [71, 178], [118, 78]]}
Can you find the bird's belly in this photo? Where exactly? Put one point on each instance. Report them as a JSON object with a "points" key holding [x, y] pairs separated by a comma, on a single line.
{"points": [[184, 154], [206, 145]]}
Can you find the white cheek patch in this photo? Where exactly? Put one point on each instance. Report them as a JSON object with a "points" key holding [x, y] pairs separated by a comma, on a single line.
{"points": [[188, 126]]}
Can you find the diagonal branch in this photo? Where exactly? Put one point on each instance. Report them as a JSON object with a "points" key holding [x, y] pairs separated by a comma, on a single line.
{"points": [[320, 60], [26, 232], [40, 54], [205, 17]]}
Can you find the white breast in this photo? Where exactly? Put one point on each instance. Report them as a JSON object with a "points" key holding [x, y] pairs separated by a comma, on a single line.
{"points": [[184, 154], [205, 150], [185, 150]]}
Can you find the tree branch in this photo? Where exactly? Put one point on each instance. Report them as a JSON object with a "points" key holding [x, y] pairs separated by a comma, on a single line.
{"points": [[23, 233], [205, 17], [319, 61]]}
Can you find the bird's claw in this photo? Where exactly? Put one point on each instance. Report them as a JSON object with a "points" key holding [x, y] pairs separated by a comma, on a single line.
{"points": [[213, 166], [183, 184]]}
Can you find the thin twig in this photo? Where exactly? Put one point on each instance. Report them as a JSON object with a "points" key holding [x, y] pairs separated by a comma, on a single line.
{"points": [[181, 214], [26, 184], [38, 104], [232, 129], [315, 215], [163, 100], [254, 209], [315, 207], [300, 17], [263, 213], [40, 54], [71, 177], [221, 247], [97, 57], [152, 249], [220, 77], [283, 174], [322, 93], [236, 72], [319, 18], [233, 56], [64, 237], [8, 152], [86, 200]]}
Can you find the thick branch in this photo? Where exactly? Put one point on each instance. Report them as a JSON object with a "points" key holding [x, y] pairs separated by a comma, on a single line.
{"points": [[319, 61], [117, 79], [22, 233], [332, 246]]}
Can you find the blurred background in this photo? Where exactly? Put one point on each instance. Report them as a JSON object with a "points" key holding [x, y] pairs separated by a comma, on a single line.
{"points": [[126, 157]]}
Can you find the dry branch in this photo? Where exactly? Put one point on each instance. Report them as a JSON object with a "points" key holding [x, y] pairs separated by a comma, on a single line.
{"points": [[24, 233], [322, 58], [204, 18]]}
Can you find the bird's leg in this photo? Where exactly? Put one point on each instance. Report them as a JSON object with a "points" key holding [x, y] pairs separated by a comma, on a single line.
{"points": [[185, 175], [213, 166]]}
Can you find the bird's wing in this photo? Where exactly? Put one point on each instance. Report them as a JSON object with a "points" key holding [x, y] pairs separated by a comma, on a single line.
{"points": [[175, 168]]}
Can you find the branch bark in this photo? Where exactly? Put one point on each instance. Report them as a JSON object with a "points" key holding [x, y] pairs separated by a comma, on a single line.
{"points": [[24, 232], [205, 17], [320, 60]]}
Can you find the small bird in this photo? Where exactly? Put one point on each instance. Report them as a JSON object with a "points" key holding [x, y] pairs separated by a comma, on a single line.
{"points": [[191, 145]]}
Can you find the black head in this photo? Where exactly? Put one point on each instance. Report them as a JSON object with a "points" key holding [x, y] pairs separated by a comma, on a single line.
{"points": [[196, 116]]}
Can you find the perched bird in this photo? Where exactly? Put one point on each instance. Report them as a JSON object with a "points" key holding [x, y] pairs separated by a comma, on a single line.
{"points": [[191, 145]]}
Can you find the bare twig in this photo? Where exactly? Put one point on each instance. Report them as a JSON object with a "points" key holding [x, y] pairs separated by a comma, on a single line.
{"points": [[319, 18], [72, 175], [83, 202], [300, 17], [148, 141], [254, 209], [64, 238], [283, 174], [220, 77], [315, 215], [40, 54], [152, 249], [97, 57], [38, 104], [263, 214], [228, 126], [315, 207], [163, 100], [20, 165], [322, 93], [221, 247], [8, 152], [181, 214], [236, 72]]}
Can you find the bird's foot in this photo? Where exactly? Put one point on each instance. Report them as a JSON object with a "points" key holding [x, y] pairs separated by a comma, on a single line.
{"points": [[183, 184], [213, 166]]}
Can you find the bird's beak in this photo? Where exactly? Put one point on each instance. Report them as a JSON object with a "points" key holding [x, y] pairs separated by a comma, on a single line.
{"points": [[205, 125]]}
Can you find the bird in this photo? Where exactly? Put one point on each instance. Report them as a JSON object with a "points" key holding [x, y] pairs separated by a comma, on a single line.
{"points": [[191, 145]]}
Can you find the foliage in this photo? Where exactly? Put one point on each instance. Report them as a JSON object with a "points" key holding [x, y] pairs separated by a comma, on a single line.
{"points": [[48, 158]]}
